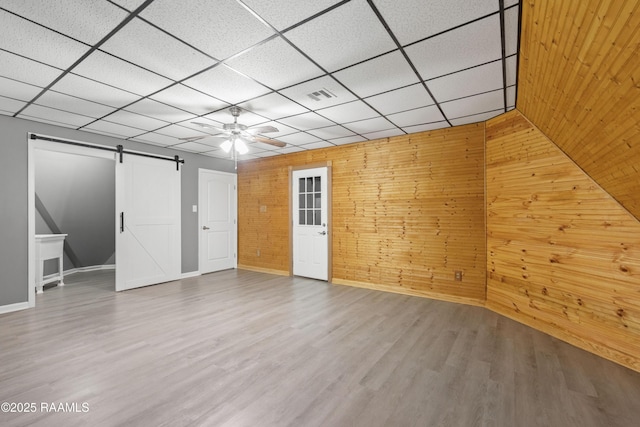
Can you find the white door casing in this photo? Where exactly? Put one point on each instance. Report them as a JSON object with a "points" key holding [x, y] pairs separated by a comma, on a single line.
{"points": [[148, 224], [309, 195], [218, 229]]}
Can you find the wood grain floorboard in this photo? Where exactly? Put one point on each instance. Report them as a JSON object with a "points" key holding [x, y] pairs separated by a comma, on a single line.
{"points": [[241, 348]]}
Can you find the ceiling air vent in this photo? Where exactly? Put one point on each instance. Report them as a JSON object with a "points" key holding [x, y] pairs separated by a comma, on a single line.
{"points": [[321, 94]]}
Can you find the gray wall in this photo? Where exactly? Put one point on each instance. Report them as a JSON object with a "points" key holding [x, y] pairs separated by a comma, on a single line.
{"points": [[78, 193], [14, 203]]}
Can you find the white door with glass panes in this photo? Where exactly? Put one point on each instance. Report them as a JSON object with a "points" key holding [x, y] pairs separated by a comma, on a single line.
{"points": [[310, 223]]}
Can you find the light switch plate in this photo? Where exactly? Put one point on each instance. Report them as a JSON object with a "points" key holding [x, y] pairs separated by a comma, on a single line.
{"points": [[194, 208]]}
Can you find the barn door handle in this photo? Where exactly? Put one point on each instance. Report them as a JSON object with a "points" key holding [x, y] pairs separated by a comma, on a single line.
{"points": [[323, 232], [204, 227], [122, 222]]}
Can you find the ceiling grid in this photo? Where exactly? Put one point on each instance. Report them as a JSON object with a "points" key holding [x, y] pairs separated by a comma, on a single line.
{"points": [[145, 70]]}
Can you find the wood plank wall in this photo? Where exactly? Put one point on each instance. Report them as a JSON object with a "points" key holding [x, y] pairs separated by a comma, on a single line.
{"points": [[408, 212], [563, 255], [579, 83]]}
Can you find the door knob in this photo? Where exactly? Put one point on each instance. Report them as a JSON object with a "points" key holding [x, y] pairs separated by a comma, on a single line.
{"points": [[322, 232], [204, 227]]}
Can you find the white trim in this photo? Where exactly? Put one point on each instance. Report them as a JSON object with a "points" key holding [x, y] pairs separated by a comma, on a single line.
{"points": [[14, 307], [190, 274], [40, 144], [54, 276]]}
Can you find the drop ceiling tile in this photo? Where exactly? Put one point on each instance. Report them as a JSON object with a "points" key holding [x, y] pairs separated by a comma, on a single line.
{"points": [[25, 70], [220, 31], [193, 147], [398, 100], [474, 104], [306, 121], [79, 86], [299, 138], [475, 118], [73, 104], [511, 30], [273, 106], [331, 132], [86, 21], [281, 15], [33, 41], [384, 134], [139, 121], [10, 106], [157, 139], [179, 131], [412, 20], [130, 5], [426, 127], [227, 85], [160, 111], [291, 149], [17, 90], [275, 64], [115, 72], [300, 93], [113, 129], [512, 69], [381, 74], [212, 142], [148, 47], [348, 140], [466, 83], [189, 99], [266, 153], [370, 125], [218, 154], [352, 29], [473, 44], [350, 112], [58, 116], [316, 145], [51, 122], [418, 116], [511, 96]]}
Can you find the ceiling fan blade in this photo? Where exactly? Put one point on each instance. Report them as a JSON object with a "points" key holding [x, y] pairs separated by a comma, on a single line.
{"points": [[273, 142], [205, 125], [262, 129]]}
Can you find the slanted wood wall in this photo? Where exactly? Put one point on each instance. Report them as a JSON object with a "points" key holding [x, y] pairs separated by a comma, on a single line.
{"points": [[563, 255]]}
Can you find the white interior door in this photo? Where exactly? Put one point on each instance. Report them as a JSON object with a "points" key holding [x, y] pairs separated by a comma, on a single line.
{"points": [[217, 203], [148, 237], [310, 223]]}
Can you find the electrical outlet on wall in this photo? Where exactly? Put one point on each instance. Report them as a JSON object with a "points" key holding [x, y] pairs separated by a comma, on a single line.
{"points": [[458, 276], [258, 252]]}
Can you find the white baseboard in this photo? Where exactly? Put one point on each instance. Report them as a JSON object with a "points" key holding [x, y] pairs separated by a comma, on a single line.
{"points": [[53, 277], [14, 307], [190, 274]]}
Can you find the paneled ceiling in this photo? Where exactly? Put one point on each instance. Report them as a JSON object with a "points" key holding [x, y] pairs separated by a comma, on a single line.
{"points": [[580, 84], [323, 72]]}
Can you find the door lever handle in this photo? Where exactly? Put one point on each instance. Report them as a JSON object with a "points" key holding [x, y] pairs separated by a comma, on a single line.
{"points": [[204, 227], [323, 232]]}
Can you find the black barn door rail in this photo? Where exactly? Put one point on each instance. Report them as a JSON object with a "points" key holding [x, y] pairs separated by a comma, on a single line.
{"points": [[118, 149]]}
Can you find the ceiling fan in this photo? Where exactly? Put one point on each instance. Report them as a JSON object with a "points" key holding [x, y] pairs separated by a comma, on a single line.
{"points": [[237, 135]]}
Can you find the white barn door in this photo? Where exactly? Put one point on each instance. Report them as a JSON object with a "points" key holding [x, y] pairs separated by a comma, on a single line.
{"points": [[310, 223], [148, 236]]}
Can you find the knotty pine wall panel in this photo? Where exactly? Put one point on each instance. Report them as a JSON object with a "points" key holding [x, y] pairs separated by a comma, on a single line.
{"points": [[407, 213], [563, 255], [579, 83]]}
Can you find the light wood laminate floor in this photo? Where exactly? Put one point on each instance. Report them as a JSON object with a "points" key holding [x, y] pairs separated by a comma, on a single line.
{"points": [[239, 348]]}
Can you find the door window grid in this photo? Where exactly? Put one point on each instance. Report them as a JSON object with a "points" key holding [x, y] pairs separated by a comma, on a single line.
{"points": [[309, 204]]}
